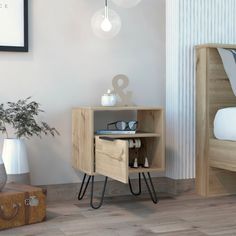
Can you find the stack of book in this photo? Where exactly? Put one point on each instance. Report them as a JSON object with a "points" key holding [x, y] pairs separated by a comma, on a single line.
{"points": [[108, 132]]}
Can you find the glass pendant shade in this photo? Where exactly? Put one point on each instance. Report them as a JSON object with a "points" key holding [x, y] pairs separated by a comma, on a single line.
{"points": [[126, 3], [106, 23]]}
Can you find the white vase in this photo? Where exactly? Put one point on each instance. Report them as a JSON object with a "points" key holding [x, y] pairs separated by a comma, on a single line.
{"points": [[3, 175], [15, 159]]}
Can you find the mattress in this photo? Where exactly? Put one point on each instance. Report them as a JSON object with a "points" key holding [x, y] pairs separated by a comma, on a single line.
{"points": [[225, 124]]}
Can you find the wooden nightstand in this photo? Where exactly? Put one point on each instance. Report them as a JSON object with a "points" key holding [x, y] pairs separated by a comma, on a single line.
{"points": [[109, 155]]}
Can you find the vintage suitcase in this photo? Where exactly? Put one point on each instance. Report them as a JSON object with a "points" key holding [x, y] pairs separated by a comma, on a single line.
{"points": [[21, 205]]}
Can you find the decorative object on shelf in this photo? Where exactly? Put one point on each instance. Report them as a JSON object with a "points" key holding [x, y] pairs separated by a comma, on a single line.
{"points": [[131, 143], [121, 132], [126, 3], [21, 117], [3, 175], [14, 25], [134, 143], [135, 165], [106, 23], [108, 99], [137, 143], [146, 163], [119, 83], [123, 125]]}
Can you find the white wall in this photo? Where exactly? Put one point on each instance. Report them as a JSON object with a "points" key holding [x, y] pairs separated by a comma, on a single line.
{"points": [[67, 66], [189, 23]]}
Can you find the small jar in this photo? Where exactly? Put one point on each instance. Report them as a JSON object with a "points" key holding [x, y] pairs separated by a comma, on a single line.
{"points": [[108, 99]]}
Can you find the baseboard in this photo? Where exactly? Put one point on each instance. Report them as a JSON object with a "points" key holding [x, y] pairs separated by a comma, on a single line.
{"points": [[180, 186], [64, 192]]}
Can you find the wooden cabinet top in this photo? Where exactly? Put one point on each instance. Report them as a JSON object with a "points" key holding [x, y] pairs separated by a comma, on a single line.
{"points": [[215, 45], [117, 108]]}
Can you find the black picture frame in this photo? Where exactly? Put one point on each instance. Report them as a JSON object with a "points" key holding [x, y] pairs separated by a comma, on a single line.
{"points": [[24, 48]]}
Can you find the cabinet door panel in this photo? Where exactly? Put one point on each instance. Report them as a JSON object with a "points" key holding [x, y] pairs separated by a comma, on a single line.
{"points": [[111, 159]]}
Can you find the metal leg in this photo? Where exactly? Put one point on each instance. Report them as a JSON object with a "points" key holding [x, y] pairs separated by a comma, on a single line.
{"points": [[102, 196], [149, 185], [151, 188], [83, 191], [139, 184]]}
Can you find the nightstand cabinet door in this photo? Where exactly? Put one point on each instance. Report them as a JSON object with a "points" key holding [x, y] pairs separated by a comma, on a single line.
{"points": [[111, 158]]}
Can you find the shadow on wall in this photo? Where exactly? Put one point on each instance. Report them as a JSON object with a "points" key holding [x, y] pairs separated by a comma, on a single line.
{"points": [[171, 156], [50, 158]]}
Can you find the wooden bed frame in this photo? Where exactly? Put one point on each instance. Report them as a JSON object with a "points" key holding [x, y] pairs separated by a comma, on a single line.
{"points": [[215, 159]]}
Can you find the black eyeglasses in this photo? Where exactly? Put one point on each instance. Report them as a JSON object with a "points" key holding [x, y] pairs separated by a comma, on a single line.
{"points": [[123, 125]]}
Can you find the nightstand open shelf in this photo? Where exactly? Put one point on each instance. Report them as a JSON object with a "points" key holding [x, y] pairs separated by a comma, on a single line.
{"points": [[137, 135], [95, 154], [144, 170]]}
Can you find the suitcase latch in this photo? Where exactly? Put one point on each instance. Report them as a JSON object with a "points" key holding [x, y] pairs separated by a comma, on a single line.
{"points": [[32, 201]]}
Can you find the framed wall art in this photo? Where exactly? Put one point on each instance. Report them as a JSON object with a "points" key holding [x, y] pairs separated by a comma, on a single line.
{"points": [[14, 25]]}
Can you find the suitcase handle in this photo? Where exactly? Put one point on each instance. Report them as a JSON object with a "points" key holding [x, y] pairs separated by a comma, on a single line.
{"points": [[16, 208]]}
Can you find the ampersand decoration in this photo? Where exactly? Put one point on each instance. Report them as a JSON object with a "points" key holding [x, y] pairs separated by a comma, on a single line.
{"points": [[119, 83]]}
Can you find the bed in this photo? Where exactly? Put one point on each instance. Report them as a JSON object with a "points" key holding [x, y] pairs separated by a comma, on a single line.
{"points": [[215, 158], [224, 125]]}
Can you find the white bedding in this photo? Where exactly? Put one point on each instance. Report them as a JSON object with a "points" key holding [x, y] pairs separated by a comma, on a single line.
{"points": [[225, 124]]}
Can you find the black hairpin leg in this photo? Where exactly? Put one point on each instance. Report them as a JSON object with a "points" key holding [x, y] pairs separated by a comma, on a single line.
{"points": [[151, 188], [83, 191], [139, 184], [102, 196]]}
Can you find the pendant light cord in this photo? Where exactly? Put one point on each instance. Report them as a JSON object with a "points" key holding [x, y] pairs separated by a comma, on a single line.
{"points": [[106, 9]]}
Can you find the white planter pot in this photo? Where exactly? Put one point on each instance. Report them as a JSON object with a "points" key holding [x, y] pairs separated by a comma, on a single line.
{"points": [[15, 159], [3, 175]]}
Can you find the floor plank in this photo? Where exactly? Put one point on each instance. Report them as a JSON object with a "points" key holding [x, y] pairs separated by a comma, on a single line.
{"points": [[130, 216]]}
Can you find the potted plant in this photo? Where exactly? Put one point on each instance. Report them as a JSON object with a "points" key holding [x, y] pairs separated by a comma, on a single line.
{"points": [[3, 175], [21, 118]]}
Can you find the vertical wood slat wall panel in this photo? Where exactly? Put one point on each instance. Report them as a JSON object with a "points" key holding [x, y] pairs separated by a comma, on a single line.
{"points": [[189, 23]]}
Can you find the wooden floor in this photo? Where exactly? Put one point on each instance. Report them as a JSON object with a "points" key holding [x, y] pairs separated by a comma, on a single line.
{"points": [[187, 215]]}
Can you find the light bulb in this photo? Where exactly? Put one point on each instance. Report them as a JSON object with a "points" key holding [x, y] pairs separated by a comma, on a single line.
{"points": [[106, 25]]}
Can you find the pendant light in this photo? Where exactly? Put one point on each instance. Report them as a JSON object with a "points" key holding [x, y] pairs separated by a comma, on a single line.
{"points": [[126, 3], [106, 23]]}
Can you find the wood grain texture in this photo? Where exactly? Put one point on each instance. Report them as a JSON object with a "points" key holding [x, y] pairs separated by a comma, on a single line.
{"points": [[83, 140], [202, 123], [185, 215], [112, 159], [153, 121], [151, 131], [215, 45], [213, 93], [137, 135], [153, 168], [121, 108], [222, 154]]}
